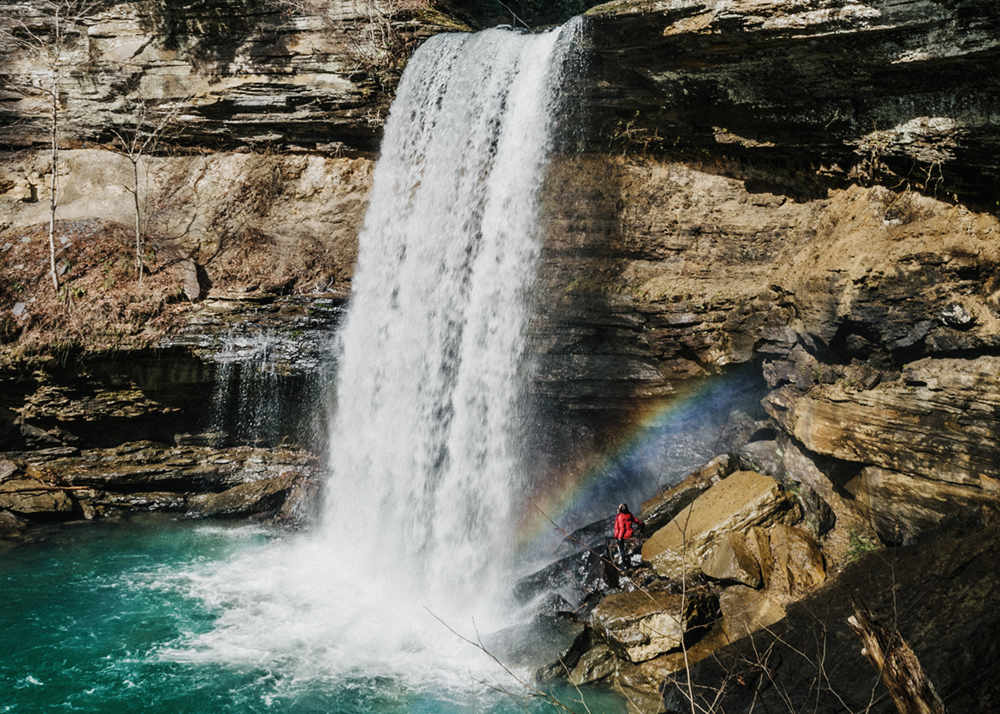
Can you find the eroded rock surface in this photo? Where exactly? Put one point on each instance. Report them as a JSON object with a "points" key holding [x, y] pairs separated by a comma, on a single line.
{"points": [[737, 503], [241, 75], [138, 477], [641, 625]]}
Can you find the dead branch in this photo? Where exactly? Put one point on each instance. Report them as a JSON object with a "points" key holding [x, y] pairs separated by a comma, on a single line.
{"points": [[893, 658]]}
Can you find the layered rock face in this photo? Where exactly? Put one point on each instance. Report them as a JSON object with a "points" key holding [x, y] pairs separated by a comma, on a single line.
{"points": [[809, 192], [239, 73], [804, 192], [788, 188], [822, 83]]}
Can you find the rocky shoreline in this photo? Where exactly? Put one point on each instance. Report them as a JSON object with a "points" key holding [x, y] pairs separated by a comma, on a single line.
{"points": [[67, 484], [745, 585]]}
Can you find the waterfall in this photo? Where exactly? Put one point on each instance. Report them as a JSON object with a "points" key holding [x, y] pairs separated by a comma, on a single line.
{"points": [[426, 480], [426, 433]]}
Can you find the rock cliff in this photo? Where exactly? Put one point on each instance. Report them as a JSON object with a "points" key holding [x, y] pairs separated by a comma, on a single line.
{"points": [[239, 73], [802, 194]]}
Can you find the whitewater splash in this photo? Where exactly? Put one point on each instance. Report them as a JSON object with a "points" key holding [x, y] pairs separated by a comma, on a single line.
{"points": [[430, 381], [426, 480]]}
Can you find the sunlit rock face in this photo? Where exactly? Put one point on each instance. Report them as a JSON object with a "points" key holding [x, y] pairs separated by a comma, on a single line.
{"points": [[240, 72], [759, 174]]}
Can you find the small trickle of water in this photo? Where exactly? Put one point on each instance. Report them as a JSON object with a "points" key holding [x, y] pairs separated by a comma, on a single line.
{"points": [[268, 391]]}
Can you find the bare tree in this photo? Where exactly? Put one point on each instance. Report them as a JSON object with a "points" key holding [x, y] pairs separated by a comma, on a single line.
{"points": [[135, 137], [44, 40]]}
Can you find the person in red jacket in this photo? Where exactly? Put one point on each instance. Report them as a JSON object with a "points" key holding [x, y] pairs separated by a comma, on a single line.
{"points": [[624, 530]]}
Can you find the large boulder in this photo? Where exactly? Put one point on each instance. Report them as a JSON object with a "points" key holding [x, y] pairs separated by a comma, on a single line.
{"points": [[737, 503], [745, 610], [904, 508], [574, 578], [544, 648], [11, 523], [943, 597], [642, 624], [595, 664], [657, 511], [642, 682], [798, 561], [733, 561], [31, 497]]}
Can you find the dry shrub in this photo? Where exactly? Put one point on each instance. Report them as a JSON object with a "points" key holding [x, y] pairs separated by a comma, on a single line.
{"points": [[100, 304]]}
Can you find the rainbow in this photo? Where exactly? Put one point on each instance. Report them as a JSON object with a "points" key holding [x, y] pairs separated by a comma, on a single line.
{"points": [[658, 443]]}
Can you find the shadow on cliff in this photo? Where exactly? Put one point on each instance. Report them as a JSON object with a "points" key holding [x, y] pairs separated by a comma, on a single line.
{"points": [[211, 34], [814, 107]]}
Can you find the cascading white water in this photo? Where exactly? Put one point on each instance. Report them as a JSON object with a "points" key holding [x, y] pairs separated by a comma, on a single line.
{"points": [[426, 479], [430, 379]]}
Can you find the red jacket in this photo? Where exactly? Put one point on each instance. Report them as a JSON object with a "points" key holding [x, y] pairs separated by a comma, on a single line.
{"points": [[623, 525]]}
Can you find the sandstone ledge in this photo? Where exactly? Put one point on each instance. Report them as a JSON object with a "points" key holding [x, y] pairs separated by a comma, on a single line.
{"points": [[258, 484]]}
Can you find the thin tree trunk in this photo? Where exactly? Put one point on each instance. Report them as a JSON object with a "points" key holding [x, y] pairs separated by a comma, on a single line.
{"points": [[138, 229], [53, 185]]}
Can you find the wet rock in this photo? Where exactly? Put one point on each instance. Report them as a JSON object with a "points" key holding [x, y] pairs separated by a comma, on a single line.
{"points": [[546, 648], [110, 475], [595, 664], [96, 503], [798, 561], [746, 610], [31, 497], [147, 476], [589, 537], [151, 467], [905, 509], [641, 625], [11, 523], [257, 498], [659, 510], [737, 503], [300, 504], [732, 561], [552, 604], [574, 578]]}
